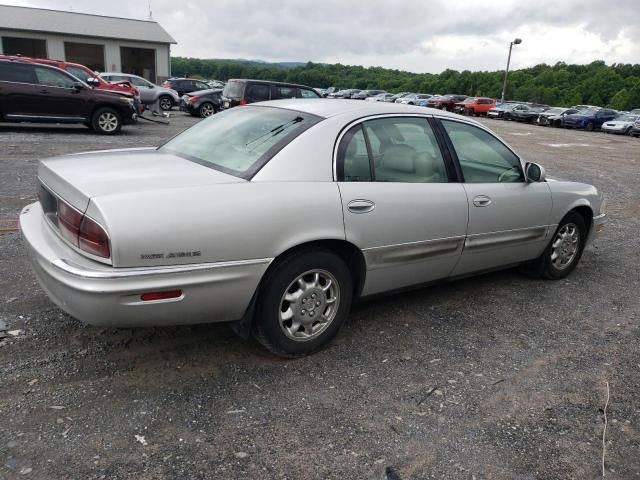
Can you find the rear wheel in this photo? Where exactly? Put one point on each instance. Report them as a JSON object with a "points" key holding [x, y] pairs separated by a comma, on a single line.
{"points": [[206, 109], [165, 102], [303, 302], [106, 121], [563, 252]]}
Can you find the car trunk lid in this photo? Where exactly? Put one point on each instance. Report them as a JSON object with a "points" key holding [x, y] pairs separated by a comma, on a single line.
{"points": [[79, 177]]}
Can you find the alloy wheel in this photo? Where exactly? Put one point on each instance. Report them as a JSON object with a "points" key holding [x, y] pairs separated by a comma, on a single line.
{"points": [[206, 110], [165, 103], [565, 246], [108, 122], [309, 305]]}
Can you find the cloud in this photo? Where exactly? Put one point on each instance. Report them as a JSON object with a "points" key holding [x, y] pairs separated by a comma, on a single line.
{"points": [[413, 35]]}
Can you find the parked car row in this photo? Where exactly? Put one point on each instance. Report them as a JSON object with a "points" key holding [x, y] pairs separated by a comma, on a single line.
{"points": [[585, 117]]}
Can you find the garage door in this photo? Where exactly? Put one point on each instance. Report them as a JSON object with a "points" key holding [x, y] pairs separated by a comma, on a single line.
{"points": [[139, 61], [88, 54]]}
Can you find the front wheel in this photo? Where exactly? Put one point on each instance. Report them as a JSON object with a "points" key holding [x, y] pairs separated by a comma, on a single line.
{"points": [[106, 121], [589, 127], [165, 102], [563, 252], [303, 302]]}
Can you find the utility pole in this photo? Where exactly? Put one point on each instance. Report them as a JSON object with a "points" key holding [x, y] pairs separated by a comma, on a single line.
{"points": [[517, 41]]}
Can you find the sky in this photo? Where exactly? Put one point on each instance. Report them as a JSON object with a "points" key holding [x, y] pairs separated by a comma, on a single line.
{"points": [[414, 35]]}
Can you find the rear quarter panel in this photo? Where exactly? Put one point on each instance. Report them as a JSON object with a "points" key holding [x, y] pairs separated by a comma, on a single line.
{"points": [[224, 222]]}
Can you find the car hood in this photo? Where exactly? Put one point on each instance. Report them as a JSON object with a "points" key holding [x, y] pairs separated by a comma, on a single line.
{"points": [[619, 123], [79, 177]]}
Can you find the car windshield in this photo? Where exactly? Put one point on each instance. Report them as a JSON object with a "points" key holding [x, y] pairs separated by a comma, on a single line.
{"points": [[238, 141], [555, 111], [588, 111]]}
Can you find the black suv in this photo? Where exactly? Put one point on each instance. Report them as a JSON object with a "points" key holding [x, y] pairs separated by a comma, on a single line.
{"points": [[185, 85], [242, 91], [31, 92]]}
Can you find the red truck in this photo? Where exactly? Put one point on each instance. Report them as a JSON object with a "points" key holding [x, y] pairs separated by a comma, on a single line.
{"points": [[86, 75], [475, 106]]}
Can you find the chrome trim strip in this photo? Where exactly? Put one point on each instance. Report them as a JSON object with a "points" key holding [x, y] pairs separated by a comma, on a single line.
{"points": [[387, 255], [498, 239], [71, 268]]}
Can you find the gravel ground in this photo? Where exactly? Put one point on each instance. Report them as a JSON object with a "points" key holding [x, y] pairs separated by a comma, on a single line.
{"points": [[498, 376]]}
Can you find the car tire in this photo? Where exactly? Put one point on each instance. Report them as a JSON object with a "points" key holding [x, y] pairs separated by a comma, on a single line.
{"points": [[506, 116], [314, 277], [106, 121], [589, 127], [206, 109], [165, 102], [563, 252]]}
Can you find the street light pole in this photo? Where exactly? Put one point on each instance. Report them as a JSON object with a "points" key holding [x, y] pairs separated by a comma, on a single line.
{"points": [[517, 41]]}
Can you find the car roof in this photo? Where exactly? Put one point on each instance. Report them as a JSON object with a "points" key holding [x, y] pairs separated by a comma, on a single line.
{"points": [[121, 74], [270, 82], [356, 108]]}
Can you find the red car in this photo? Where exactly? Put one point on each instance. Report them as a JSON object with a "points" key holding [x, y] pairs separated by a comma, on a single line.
{"points": [[86, 75], [475, 106]]}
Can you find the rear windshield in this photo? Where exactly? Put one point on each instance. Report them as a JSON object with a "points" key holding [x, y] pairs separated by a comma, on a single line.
{"points": [[240, 141], [233, 89]]}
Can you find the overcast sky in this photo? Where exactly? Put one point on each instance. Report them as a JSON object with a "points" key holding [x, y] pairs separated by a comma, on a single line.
{"points": [[414, 35]]}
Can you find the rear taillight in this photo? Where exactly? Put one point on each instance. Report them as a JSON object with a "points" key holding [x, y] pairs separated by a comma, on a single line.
{"points": [[69, 222], [93, 239], [192, 99], [81, 231], [243, 102]]}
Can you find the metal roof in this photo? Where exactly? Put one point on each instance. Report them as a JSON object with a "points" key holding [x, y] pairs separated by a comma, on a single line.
{"points": [[83, 24]]}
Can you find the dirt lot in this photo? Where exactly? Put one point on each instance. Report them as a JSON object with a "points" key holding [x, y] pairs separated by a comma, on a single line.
{"points": [[498, 376]]}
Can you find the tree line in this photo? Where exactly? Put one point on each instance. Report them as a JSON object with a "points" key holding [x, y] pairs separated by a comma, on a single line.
{"points": [[616, 86]]}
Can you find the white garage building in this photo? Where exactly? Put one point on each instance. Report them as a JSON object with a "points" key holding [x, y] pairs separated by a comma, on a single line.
{"points": [[101, 43]]}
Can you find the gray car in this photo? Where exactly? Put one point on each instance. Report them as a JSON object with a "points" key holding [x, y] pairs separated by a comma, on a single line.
{"points": [[149, 92], [277, 216]]}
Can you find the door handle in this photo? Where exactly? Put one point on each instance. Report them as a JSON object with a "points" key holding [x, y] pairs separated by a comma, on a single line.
{"points": [[44, 90], [361, 206], [482, 201]]}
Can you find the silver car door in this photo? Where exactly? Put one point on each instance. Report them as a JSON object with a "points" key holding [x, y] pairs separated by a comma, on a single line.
{"points": [[508, 217], [399, 207]]}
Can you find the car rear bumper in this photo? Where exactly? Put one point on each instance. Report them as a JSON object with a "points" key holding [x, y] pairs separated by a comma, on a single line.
{"points": [[102, 295]]}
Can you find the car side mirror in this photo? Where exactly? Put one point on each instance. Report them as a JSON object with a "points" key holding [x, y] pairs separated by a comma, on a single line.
{"points": [[534, 172], [78, 86]]}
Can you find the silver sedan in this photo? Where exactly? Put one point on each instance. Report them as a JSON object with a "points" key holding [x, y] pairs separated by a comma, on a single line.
{"points": [[277, 216]]}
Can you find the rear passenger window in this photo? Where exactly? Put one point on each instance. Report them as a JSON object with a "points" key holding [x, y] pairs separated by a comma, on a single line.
{"points": [[403, 150], [283, 92], [257, 93], [353, 156]]}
